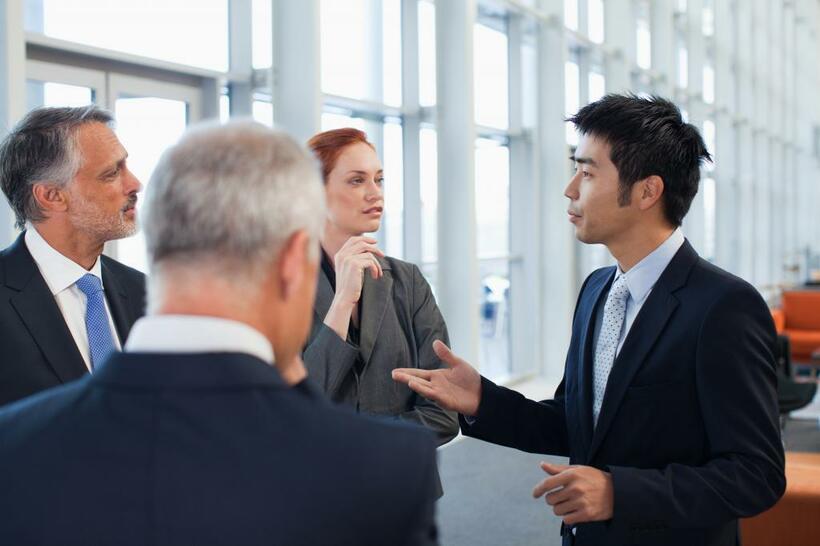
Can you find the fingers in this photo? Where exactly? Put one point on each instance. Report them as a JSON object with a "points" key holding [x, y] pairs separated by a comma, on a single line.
{"points": [[424, 388], [553, 482], [567, 508], [406, 374], [553, 469], [445, 354]]}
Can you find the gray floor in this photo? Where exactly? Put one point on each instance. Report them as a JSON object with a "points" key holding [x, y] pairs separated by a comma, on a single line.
{"points": [[487, 497], [487, 489]]}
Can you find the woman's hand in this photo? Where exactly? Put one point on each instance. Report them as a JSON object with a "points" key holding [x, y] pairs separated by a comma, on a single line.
{"points": [[355, 256]]}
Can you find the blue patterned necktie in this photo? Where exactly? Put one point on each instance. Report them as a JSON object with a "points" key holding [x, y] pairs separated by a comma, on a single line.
{"points": [[608, 338], [100, 341]]}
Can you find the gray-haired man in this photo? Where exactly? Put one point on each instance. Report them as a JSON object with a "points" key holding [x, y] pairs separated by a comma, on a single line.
{"points": [[64, 308], [195, 434]]}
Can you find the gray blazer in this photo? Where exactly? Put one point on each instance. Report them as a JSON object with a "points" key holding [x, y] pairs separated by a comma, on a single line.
{"points": [[398, 324]]}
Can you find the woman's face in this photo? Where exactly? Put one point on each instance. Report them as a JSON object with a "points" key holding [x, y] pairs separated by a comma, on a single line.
{"points": [[355, 198]]}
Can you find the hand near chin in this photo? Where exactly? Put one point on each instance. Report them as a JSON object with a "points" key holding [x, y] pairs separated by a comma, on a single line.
{"points": [[356, 256]]}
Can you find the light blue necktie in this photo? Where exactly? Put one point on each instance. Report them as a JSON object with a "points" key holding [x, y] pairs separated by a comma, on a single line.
{"points": [[100, 341], [608, 338]]}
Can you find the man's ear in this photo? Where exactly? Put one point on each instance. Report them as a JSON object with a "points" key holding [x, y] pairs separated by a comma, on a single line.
{"points": [[651, 190], [49, 197], [292, 262]]}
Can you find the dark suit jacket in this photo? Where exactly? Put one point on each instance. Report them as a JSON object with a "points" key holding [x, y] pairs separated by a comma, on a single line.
{"points": [[207, 449], [38, 350], [689, 424], [399, 322]]}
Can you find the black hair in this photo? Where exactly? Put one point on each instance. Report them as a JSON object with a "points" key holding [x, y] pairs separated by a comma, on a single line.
{"points": [[648, 136]]}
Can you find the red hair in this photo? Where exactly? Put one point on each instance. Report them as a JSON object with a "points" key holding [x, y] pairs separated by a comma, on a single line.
{"points": [[329, 145]]}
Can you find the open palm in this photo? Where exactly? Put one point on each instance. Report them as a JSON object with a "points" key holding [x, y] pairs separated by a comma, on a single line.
{"points": [[456, 387]]}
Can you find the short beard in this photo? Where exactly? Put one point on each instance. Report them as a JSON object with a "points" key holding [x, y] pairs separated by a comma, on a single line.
{"points": [[100, 226]]}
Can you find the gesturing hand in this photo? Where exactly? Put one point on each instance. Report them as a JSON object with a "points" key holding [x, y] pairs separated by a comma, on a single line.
{"points": [[578, 493], [356, 255], [456, 387]]}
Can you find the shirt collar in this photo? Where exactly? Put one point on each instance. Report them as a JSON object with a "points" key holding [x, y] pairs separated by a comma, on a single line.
{"points": [[197, 334], [643, 276], [58, 271]]}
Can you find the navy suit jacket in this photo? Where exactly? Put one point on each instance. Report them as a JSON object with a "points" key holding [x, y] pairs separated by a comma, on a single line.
{"points": [[38, 351], [689, 423], [207, 449]]}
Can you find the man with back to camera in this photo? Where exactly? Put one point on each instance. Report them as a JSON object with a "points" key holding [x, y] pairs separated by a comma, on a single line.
{"points": [[667, 408], [194, 434], [63, 306]]}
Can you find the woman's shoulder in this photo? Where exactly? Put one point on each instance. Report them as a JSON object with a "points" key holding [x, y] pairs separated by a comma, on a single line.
{"points": [[400, 268]]}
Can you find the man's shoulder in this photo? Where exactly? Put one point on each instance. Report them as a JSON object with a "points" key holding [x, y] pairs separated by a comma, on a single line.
{"points": [[125, 274], [711, 280]]}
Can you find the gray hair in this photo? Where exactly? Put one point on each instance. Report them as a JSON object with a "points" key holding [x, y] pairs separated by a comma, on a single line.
{"points": [[226, 198], [42, 147]]}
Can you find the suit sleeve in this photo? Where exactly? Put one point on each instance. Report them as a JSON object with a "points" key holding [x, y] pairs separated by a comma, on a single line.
{"points": [[428, 326], [743, 474], [505, 417], [328, 359]]}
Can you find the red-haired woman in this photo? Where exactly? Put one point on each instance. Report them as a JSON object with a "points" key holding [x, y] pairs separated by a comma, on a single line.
{"points": [[373, 313]]}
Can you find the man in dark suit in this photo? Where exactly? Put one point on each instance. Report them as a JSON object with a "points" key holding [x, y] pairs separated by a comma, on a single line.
{"points": [[65, 176], [667, 409], [204, 430]]}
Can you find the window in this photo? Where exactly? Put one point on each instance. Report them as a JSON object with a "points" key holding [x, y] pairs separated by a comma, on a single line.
{"points": [[262, 30], [428, 168], [148, 29], [644, 37], [356, 46], [492, 184], [427, 53], [571, 14], [491, 77], [595, 18], [597, 85]]}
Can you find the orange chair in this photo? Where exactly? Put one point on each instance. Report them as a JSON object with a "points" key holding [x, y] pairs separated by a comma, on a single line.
{"points": [[799, 319], [794, 520]]}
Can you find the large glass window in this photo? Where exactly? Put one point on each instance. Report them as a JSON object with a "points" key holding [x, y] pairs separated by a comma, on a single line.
{"points": [[427, 53], [358, 42], [148, 29], [490, 74], [644, 36], [428, 186], [595, 20], [492, 183]]}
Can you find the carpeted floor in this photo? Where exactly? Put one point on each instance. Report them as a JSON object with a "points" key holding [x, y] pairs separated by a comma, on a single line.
{"points": [[487, 491]]}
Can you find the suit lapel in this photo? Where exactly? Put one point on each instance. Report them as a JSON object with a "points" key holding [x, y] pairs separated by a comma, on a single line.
{"points": [[118, 302], [376, 294], [647, 327], [592, 299], [37, 309]]}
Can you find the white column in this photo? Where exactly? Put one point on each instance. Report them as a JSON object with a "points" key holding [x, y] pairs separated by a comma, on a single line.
{"points": [[662, 35], [559, 285], [727, 211], [12, 90], [458, 283], [694, 223], [762, 145], [410, 129], [744, 164], [525, 235], [296, 84], [240, 36], [619, 34]]}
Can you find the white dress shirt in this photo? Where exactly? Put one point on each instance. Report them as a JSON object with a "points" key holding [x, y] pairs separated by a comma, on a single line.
{"points": [[60, 274], [640, 280], [196, 334]]}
